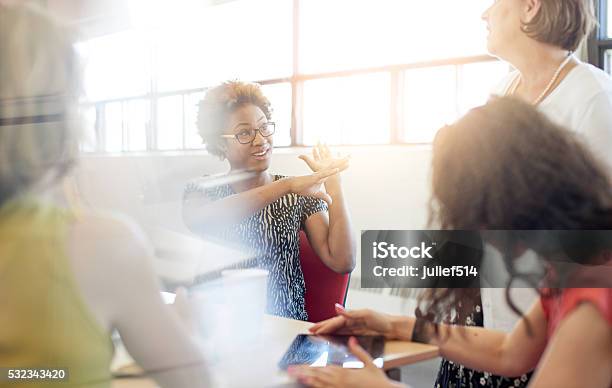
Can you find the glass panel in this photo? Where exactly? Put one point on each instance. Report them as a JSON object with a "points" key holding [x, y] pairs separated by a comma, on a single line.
{"points": [[348, 34], [170, 123], [113, 127], [347, 110], [477, 80], [246, 39], [608, 61], [280, 98], [137, 116], [192, 137], [608, 20], [429, 102], [116, 66], [89, 139]]}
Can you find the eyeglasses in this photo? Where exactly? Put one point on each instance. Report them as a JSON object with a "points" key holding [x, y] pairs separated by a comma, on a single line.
{"points": [[245, 136]]}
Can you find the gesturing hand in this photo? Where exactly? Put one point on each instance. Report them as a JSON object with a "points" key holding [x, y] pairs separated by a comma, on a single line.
{"points": [[311, 185], [322, 158]]}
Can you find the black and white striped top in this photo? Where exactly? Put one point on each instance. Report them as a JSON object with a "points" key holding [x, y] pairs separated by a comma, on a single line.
{"points": [[272, 234]]}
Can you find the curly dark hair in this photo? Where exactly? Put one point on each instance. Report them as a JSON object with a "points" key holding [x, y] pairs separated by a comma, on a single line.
{"points": [[219, 103], [506, 166]]}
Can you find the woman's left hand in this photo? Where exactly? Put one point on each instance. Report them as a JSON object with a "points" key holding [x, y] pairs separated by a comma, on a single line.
{"points": [[322, 158], [369, 376]]}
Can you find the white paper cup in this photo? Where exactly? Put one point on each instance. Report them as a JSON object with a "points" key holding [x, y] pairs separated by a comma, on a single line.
{"points": [[245, 292]]}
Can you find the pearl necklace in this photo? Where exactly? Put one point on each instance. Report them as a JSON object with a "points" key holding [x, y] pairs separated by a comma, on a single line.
{"points": [[550, 83]]}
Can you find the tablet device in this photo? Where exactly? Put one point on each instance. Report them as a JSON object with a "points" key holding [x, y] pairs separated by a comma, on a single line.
{"points": [[323, 350]]}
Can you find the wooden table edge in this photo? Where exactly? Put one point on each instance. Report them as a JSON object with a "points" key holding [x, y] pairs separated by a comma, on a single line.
{"points": [[399, 361]]}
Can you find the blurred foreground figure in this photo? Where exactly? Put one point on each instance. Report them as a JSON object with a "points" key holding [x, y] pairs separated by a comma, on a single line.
{"points": [[67, 280]]}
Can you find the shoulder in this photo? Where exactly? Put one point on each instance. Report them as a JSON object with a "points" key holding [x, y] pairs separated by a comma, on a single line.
{"points": [[108, 242], [587, 82], [585, 323], [600, 298], [105, 248], [559, 306]]}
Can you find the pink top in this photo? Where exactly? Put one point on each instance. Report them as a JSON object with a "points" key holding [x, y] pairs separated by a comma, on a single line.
{"points": [[557, 307]]}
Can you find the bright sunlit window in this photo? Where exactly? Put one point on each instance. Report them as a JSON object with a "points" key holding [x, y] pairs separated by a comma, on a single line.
{"points": [[347, 110], [344, 72]]}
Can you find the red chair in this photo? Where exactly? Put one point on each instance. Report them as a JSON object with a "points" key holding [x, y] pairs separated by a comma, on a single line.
{"points": [[324, 287]]}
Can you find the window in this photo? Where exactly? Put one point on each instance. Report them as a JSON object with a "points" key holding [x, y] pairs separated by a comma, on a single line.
{"points": [[600, 43], [347, 110], [279, 95], [349, 34], [247, 39], [340, 71]]}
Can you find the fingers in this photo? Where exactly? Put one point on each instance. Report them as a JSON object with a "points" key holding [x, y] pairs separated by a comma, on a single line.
{"points": [[328, 326], [339, 308], [316, 153], [309, 161], [326, 173], [309, 376], [353, 314], [360, 353], [325, 151], [316, 377]]}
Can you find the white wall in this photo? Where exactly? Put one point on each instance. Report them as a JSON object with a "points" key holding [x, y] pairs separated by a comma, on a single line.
{"points": [[387, 187]]}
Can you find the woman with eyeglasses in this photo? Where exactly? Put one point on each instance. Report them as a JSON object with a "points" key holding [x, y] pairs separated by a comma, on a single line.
{"points": [[263, 212]]}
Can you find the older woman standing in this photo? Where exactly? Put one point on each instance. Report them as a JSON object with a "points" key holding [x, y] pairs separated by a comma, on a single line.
{"points": [[264, 212], [538, 38]]}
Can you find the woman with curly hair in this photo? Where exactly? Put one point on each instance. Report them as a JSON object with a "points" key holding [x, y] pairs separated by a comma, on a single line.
{"points": [[538, 38], [264, 212], [506, 166]]}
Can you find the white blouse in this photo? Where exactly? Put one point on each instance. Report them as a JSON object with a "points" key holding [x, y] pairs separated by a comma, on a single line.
{"points": [[582, 102]]}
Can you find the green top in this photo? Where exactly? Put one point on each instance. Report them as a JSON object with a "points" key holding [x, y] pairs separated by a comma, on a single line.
{"points": [[44, 323]]}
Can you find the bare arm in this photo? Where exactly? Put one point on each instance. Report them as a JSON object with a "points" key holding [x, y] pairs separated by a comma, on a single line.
{"points": [[332, 237], [579, 354], [113, 268], [493, 351], [205, 215], [475, 347]]}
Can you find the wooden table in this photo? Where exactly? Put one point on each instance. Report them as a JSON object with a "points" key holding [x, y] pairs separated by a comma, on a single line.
{"points": [[257, 365]]}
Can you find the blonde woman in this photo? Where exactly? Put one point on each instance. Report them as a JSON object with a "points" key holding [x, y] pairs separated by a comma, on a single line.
{"points": [[66, 280], [538, 39]]}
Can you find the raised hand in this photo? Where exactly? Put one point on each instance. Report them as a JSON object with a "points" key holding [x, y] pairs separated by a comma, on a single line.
{"points": [[322, 158], [312, 185]]}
